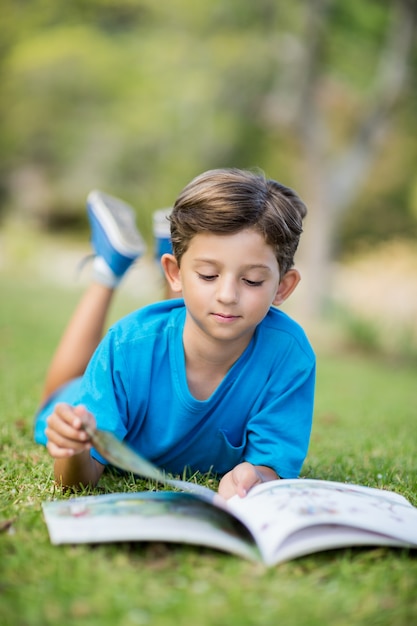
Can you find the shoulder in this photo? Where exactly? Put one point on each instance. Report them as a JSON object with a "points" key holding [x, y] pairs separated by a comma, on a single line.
{"points": [[150, 320], [277, 326]]}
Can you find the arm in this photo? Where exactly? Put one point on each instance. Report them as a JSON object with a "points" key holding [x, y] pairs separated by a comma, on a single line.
{"points": [[69, 445], [243, 477], [81, 470]]}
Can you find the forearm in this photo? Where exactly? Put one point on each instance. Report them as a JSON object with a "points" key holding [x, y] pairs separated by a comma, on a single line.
{"points": [[78, 470]]}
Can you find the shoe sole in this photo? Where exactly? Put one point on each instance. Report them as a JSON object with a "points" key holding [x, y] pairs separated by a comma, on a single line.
{"points": [[117, 219]]}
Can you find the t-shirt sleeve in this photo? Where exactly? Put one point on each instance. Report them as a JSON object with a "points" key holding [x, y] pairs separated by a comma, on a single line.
{"points": [[279, 429], [104, 389]]}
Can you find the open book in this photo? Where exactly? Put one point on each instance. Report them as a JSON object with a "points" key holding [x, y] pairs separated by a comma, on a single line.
{"points": [[277, 521]]}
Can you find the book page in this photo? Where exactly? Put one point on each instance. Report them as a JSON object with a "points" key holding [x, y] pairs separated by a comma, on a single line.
{"points": [[147, 516], [122, 456], [278, 510]]}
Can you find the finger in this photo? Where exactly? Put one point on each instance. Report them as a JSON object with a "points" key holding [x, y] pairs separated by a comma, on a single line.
{"points": [[68, 439], [68, 414], [241, 490], [58, 427], [59, 453], [86, 417], [248, 477]]}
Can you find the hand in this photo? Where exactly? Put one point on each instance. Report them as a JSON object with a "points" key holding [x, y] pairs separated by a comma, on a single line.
{"points": [[243, 477], [65, 434]]}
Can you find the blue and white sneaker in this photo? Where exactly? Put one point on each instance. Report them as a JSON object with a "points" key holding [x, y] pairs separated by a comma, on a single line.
{"points": [[115, 239]]}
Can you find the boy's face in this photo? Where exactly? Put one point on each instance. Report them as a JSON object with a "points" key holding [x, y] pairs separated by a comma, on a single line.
{"points": [[228, 283]]}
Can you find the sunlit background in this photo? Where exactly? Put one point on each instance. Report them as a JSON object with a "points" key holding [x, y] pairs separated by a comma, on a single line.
{"points": [[136, 97]]}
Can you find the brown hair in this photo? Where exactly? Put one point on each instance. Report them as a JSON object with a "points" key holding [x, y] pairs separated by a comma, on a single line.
{"points": [[225, 201]]}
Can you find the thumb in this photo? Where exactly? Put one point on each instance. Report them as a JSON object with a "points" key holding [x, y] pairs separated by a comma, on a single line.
{"points": [[85, 416], [241, 490], [80, 411]]}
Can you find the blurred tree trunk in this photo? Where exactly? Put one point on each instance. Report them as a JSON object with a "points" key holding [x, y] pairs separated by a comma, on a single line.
{"points": [[331, 182]]}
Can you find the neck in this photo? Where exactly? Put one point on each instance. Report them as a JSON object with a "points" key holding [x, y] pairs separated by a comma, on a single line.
{"points": [[208, 360]]}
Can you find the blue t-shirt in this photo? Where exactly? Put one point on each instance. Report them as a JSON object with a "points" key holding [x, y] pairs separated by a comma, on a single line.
{"points": [[261, 412]]}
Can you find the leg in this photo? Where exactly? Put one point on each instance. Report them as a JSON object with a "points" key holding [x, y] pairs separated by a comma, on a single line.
{"points": [[80, 338], [162, 241], [116, 244]]}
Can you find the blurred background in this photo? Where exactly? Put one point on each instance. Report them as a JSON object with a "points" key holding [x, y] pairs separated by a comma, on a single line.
{"points": [[136, 97]]}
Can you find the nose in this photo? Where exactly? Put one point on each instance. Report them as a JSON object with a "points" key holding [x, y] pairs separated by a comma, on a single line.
{"points": [[227, 290]]}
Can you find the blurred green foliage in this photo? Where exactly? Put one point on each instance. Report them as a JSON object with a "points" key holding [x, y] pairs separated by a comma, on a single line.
{"points": [[136, 97]]}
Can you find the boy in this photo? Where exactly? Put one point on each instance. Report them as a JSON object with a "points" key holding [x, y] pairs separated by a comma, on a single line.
{"points": [[218, 380]]}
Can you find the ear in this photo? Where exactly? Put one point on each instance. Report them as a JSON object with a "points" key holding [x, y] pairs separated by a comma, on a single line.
{"points": [[286, 286], [172, 272]]}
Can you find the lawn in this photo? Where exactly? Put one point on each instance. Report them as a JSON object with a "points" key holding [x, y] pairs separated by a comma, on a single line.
{"points": [[365, 431]]}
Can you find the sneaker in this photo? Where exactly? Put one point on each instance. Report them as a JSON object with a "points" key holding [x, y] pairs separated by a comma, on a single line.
{"points": [[114, 236], [162, 232]]}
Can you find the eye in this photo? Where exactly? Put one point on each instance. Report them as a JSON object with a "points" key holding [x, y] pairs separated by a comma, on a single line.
{"points": [[253, 283], [207, 277]]}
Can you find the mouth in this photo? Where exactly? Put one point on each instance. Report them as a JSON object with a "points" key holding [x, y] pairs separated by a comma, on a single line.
{"points": [[225, 318]]}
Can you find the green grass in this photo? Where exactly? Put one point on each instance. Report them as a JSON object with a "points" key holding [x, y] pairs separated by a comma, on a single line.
{"points": [[365, 431]]}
